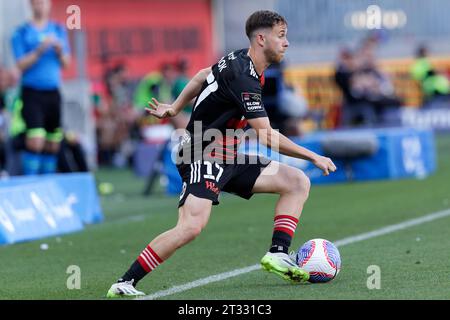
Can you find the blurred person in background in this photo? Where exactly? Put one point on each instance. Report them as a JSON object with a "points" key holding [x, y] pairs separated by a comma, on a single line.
{"points": [[372, 84], [115, 116], [368, 93], [295, 107], [355, 111], [435, 87], [158, 85], [164, 85], [116, 83], [285, 107], [8, 79], [100, 107], [41, 50], [71, 156], [180, 81]]}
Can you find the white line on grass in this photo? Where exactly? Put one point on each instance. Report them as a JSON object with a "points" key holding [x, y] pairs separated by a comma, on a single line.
{"points": [[338, 243]]}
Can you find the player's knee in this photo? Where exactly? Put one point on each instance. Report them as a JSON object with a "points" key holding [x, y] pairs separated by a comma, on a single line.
{"points": [[194, 215], [189, 232], [52, 147], [35, 144], [193, 231], [300, 183], [190, 225]]}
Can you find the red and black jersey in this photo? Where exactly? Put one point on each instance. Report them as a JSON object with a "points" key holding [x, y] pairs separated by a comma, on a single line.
{"points": [[230, 95]]}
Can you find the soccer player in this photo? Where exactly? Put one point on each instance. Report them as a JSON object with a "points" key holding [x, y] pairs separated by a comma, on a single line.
{"points": [[228, 96], [41, 50]]}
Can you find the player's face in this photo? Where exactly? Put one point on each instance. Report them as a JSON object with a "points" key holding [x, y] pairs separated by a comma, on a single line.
{"points": [[276, 44], [40, 7]]}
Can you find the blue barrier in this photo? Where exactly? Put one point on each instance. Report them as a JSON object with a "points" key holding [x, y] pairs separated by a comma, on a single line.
{"points": [[401, 153], [35, 210], [170, 170], [78, 188], [437, 119], [81, 191]]}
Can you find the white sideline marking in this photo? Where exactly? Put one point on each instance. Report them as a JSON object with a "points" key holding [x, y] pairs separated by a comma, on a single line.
{"points": [[338, 243]]}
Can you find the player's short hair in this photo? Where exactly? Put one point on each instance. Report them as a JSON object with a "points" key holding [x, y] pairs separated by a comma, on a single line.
{"points": [[262, 19]]}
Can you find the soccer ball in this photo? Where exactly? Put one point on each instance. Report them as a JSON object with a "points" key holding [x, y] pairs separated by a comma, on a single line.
{"points": [[320, 258]]}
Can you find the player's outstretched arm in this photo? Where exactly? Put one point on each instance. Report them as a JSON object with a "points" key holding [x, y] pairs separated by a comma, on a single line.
{"points": [[280, 143], [192, 89]]}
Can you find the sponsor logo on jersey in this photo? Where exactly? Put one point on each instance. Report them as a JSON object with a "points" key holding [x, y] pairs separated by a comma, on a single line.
{"points": [[212, 186], [252, 101]]}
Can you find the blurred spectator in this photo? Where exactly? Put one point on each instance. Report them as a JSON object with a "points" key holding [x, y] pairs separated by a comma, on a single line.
{"points": [[71, 156], [285, 107], [8, 79], [115, 116], [116, 85], [294, 106], [41, 49], [345, 68], [180, 81], [157, 84], [373, 85], [368, 94], [434, 86], [356, 110]]}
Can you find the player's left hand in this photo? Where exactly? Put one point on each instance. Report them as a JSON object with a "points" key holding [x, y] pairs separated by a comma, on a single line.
{"points": [[58, 47], [325, 164], [160, 110]]}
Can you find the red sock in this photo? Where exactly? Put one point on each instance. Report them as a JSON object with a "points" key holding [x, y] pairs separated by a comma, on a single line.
{"points": [[285, 223], [148, 259], [146, 262], [283, 231]]}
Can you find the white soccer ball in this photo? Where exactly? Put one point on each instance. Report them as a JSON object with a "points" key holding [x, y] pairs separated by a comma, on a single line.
{"points": [[320, 258]]}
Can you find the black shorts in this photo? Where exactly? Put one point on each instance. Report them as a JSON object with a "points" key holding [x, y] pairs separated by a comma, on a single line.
{"points": [[206, 179], [41, 109]]}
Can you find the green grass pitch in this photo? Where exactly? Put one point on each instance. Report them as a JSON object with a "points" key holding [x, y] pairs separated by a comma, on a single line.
{"points": [[414, 262]]}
